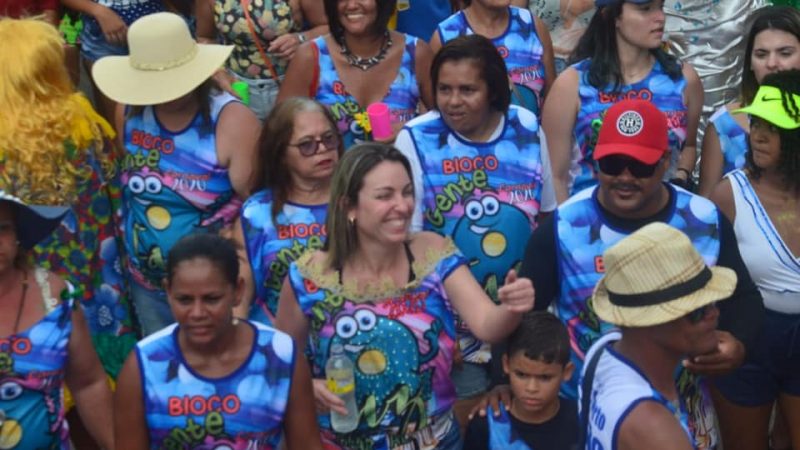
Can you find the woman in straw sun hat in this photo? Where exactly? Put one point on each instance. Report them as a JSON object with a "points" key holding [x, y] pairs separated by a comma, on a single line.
{"points": [[763, 202], [659, 291], [188, 150], [44, 340]]}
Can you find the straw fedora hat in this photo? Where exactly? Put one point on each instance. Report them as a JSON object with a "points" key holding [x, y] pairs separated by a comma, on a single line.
{"points": [[165, 63], [655, 275]]}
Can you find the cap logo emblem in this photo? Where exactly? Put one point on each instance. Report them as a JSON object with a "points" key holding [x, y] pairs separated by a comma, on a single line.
{"points": [[630, 123]]}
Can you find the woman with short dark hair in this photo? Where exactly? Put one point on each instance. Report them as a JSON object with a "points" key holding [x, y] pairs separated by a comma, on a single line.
{"points": [[483, 179]]}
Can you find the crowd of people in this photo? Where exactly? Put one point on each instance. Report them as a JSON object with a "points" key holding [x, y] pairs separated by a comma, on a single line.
{"points": [[528, 255]]}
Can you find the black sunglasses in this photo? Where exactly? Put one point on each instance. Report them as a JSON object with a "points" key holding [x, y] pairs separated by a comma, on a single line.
{"points": [[698, 314], [614, 165], [310, 146]]}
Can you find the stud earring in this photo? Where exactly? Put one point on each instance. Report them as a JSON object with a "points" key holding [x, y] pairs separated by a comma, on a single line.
{"points": [[352, 221]]}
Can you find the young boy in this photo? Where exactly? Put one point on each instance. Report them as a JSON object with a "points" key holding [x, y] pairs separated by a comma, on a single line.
{"points": [[536, 362]]}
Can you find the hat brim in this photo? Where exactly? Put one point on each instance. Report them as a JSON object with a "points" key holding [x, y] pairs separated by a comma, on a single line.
{"points": [[779, 119], [640, 153], [121, 82], [34, 222], [719, 287]]}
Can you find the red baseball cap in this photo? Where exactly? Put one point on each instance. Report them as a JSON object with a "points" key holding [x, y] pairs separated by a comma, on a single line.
{"points": [[634, 128]]}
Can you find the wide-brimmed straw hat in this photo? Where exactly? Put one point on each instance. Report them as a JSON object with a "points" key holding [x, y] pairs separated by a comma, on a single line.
{"points": [[165, 63], [34, 222], [654, 276], [768, 105]]}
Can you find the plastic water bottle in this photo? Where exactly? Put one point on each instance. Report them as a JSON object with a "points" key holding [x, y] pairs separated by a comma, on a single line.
{"points": [[341, 381]]}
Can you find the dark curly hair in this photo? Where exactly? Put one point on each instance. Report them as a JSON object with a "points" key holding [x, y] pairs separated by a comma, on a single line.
{"points": [[788, 82]]}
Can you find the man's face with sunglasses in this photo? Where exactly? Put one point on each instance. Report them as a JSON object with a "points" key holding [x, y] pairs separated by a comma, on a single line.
{"points": [[630, 188]]}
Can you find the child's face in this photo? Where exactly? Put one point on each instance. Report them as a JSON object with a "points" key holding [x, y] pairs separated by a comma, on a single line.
{"points": [[535, 384]]}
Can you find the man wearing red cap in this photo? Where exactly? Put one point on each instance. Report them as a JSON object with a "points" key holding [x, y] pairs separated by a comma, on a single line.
{"points": [[564, 255]]}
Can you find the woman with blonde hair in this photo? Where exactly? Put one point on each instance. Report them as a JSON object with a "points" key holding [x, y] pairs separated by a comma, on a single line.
{"points": [[55, 149]]}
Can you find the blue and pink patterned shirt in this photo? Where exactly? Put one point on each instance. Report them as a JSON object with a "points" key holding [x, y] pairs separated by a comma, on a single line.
{"points": [[401, 342], [273, 244], [241, 411], [173, 185]]}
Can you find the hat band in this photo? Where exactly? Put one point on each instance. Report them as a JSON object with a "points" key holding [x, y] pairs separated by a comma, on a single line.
{"points": [[689, 286], [167, 65]]}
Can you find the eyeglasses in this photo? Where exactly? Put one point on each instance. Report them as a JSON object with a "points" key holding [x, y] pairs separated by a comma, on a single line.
{"points": [[614, 165], [310, 146], [698, 314]]}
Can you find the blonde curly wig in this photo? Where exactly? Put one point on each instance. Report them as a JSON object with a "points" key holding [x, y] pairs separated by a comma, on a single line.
{"points": [[49, 134]]}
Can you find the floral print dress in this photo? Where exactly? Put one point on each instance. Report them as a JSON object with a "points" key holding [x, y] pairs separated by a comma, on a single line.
{"points": [[271, 18]]}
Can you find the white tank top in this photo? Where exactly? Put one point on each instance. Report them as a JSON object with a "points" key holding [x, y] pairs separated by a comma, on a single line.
{"points": [[619, 386], [775, 270]]}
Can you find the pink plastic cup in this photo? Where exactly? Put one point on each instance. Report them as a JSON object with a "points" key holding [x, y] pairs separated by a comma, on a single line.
{"points": [[380, 120]]}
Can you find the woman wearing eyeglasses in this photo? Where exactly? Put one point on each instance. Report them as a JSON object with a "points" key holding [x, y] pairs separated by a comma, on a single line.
{"points": [[297, 152], [763, 202]]}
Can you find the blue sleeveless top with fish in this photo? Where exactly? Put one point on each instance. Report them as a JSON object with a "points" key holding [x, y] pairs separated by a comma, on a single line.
{"points": [[520, 48], [273, 245], [732, 140], [173, 185], [32, 370], [485, 196], [664, 92], [243, 410], [402, 97], [401, 342], [583, 233]]}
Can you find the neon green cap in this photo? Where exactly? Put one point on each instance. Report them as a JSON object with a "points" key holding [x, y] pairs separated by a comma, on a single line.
{"points": [[768, 105]]}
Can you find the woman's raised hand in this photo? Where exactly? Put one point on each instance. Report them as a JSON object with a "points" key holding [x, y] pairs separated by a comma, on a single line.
{"points": [[517, 294]]}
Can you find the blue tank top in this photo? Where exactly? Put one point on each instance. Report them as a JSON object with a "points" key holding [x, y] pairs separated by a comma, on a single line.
{"points": [[273, 245], [485, 196], [520, 48], [657, 87], [583, 233], [402, 97], [732, 140], [173, 185], [245, 409], [32, 368]]}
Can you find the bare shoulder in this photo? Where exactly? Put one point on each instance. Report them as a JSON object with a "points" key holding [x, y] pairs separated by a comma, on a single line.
{"points": [[722, 196], [690, 73], [651, 425]]}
